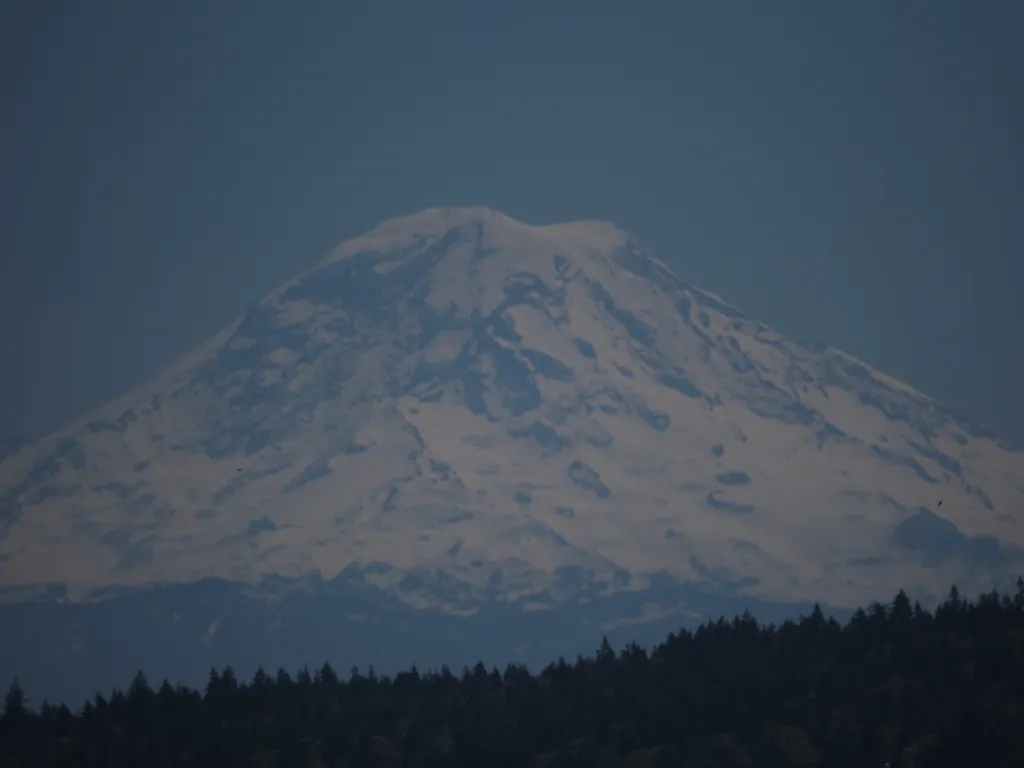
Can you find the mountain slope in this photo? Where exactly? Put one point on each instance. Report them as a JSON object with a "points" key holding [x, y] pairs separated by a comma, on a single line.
{"points": [[462, 409], [9, 445]]}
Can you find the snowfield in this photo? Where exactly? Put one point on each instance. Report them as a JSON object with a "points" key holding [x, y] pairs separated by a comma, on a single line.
{"points": [[519, 414]]}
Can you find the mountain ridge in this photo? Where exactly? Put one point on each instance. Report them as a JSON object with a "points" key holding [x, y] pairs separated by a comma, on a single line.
{"points": [[448, 395]]}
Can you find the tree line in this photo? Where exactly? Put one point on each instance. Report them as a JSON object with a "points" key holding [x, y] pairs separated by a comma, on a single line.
{"points": [[897, 685]]}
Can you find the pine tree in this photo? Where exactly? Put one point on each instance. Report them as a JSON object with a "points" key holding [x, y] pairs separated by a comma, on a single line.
{"points": [[15, 703], [14, 722]]}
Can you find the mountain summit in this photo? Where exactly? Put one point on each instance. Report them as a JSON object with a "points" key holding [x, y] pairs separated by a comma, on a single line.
{"points": [[458, 408]]}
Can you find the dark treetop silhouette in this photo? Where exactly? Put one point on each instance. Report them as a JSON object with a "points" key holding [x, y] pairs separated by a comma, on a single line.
{"points": [[896, 684]]}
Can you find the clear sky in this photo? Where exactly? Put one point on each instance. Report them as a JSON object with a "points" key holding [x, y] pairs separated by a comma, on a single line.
{"points": [[849, 172]]}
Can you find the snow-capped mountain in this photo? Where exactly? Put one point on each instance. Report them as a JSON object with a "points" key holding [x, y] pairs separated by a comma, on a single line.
{"points": [[520, 411]]}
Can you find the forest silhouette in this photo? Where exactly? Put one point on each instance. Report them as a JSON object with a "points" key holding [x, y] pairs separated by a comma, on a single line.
{"points": [[896, 684]]}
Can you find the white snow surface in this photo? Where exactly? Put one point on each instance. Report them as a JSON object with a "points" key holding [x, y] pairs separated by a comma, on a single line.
{"points": [[457, 393]]}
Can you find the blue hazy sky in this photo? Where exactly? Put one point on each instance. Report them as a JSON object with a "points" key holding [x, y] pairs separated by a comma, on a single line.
{"points": [[846, 172]]}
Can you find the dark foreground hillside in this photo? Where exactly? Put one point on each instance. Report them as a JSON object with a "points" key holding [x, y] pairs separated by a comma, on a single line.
{"points": [[897, 684]]}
